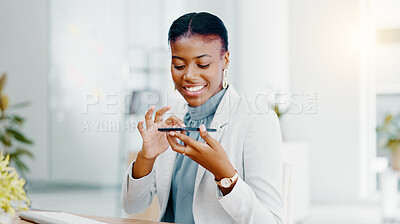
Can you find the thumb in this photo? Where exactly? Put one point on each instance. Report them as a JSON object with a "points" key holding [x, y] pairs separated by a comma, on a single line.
{"points": [[209, 140]]}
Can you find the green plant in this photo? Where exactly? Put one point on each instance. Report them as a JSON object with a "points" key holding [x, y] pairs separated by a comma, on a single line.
{"points": [[12, 194], [11, 136], [389, 131]]}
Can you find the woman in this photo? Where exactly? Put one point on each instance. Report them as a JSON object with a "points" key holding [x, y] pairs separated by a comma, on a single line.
{"points": [[233, 175]]}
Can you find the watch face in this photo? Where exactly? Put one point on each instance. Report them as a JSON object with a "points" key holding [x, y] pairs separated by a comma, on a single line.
{"points": [[225, 182]]}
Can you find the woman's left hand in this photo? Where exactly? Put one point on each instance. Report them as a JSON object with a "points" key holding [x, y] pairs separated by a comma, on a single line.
{"points": [[210, 155]]}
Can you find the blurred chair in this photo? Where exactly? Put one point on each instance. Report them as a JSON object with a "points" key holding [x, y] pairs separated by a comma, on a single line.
{"points": [[286, 192]]}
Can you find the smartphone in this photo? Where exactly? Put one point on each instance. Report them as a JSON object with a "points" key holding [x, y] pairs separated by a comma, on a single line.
{"points": [[185, 129]]}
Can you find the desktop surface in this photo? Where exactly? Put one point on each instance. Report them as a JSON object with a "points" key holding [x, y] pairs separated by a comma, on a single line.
{"points": [[110, 220]]}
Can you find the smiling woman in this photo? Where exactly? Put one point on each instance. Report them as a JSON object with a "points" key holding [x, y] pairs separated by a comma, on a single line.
{"points": [[233, 175]]}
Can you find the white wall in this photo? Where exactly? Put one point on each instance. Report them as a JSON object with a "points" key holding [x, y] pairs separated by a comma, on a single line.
{"points": [[263, 45], [86, 57], [23, 57], [324, 58]]}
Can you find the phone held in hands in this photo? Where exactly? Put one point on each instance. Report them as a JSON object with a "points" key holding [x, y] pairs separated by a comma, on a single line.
{"points": [[185, 129]]}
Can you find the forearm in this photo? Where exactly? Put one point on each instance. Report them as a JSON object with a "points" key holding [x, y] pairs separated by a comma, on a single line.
{"points": [[142, 166]]}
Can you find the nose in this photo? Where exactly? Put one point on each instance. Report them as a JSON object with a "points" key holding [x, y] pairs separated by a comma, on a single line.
{"points": [[191, 73]]}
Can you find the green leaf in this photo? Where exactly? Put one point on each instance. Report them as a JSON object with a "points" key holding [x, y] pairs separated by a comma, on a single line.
{"points": [[17, 120], [18, 136], [22, 151], [13, 156], [5, 140]]}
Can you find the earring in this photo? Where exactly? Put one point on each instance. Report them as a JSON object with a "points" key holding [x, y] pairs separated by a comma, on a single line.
{"points": [[225, 82]]}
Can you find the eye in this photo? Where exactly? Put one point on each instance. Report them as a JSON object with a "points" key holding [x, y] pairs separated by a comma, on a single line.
{"points": [[179, 67], [203, 66]]}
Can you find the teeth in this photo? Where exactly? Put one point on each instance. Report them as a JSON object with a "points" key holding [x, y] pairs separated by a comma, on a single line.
{"points": [[194, 88]]}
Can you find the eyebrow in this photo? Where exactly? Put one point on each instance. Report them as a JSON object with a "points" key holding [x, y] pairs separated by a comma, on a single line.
{"points": [[200, 56]]}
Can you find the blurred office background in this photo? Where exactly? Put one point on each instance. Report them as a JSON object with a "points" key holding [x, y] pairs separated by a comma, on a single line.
{"points": [[78, 63]]}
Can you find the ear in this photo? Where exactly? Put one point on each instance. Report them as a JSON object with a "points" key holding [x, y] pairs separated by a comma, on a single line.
{"points": [[226, 59]]}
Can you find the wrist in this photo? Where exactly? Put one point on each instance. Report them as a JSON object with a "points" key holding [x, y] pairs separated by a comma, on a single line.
{"points": [[229, 172], [142, 166], [227, 184], [145, 156]]}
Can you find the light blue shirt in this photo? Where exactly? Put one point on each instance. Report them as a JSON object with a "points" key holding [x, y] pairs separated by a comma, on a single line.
{"points": [[180, 203]]}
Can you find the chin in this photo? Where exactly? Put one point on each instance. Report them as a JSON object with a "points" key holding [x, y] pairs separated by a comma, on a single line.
{"points": [[195, 103]]}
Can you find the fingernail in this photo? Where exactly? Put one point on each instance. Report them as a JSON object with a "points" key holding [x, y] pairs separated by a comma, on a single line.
{"points": [[172, 133], [202, 128], [183, 125]]}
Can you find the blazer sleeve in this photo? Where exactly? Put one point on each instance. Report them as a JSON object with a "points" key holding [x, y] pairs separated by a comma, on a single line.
{"points": [[137, 194], [256, 197]]}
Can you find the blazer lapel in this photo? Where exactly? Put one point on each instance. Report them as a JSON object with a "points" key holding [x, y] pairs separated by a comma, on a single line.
{"points": [[219, 122]]}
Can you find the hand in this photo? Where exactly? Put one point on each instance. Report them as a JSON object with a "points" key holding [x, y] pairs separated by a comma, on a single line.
{"points": [[210, 155], [154, 141]]}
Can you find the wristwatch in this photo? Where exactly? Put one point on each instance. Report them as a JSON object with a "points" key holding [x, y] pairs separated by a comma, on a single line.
{"points": [[227, 182]]}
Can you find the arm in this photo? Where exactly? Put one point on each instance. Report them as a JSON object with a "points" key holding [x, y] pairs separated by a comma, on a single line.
{"points": [[137, 194], [257, 197]]}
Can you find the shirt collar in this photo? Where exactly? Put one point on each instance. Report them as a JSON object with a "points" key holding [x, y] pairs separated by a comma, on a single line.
{"points": [[207, 108]]}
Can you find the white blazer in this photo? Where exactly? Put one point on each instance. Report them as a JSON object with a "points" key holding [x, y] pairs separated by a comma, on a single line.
{"points": [[251, 138]]}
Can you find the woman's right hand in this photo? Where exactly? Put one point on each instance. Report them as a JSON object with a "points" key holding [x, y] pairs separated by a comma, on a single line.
{"points": [[154, 141]]}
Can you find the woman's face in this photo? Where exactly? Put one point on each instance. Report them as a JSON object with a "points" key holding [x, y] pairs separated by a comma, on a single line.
{"points": [[197, 68]]}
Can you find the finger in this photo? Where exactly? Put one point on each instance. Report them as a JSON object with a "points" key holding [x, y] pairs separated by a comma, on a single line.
{"points": [[140, 127], [207, 138], [175, 120], [160, 113], [148, 119], [187, 140], [174, 144], [185, 133]]}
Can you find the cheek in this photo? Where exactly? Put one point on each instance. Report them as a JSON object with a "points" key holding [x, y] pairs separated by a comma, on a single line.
{"points": [[215, 77], [175, 76]]}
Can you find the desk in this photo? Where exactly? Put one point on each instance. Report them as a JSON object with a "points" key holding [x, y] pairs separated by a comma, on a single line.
{"points": [[110, 220]]}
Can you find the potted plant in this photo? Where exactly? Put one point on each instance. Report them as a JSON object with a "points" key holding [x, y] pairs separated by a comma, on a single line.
{"points": [[389, 132], [11, 137], [12, 193]]}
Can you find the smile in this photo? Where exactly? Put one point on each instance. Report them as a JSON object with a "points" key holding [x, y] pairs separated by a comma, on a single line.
{"points": [[193, 90]]}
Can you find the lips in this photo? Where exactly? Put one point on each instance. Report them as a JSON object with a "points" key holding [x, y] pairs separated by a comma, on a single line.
{"points": [[193, 90]]}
